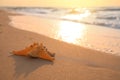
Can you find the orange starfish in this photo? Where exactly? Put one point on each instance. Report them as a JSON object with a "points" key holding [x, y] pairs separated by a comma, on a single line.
{"points": [[36, 50]]}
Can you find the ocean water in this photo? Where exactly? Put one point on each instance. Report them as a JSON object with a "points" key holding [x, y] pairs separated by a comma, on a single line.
{"points": [[104, 16], [95, 28]]}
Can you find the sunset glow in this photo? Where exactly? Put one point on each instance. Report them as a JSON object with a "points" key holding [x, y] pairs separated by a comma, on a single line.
{"points": [[60, 3]]}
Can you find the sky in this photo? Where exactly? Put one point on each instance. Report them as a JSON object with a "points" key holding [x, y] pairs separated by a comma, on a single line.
{"points": [[60, 3]]}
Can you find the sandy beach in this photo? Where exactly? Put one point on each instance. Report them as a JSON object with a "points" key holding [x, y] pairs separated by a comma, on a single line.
{"points": [[71, 62]]}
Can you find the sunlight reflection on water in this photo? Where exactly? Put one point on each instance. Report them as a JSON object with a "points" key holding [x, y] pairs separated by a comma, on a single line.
{"points": [[77, 14], [70, 32]]}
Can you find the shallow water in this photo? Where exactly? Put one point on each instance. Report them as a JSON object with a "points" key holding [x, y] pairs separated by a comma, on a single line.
{"points": [[90, 36]]}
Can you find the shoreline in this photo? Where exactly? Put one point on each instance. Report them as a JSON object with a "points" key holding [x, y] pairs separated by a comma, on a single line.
{"points": [[71, 62], [106, 39]]}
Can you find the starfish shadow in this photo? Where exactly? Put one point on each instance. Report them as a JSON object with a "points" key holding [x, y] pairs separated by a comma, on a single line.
{"points": [[24, 66]]}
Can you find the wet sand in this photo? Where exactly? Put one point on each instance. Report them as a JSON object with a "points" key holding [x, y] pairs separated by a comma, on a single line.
{"points": [[71, 62]]}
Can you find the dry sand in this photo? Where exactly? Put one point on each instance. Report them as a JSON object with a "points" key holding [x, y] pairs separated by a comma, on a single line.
{"points": [[71, 62]]}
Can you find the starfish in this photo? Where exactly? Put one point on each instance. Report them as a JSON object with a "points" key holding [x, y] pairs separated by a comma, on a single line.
{"points": [[37, 51]]}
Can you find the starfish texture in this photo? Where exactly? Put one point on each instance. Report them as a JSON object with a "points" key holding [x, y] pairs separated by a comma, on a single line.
{"points": [[37, 51]]}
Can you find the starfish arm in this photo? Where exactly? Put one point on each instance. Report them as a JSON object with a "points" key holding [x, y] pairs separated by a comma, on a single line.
{"points": [[46, 56], [23, 52]]}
